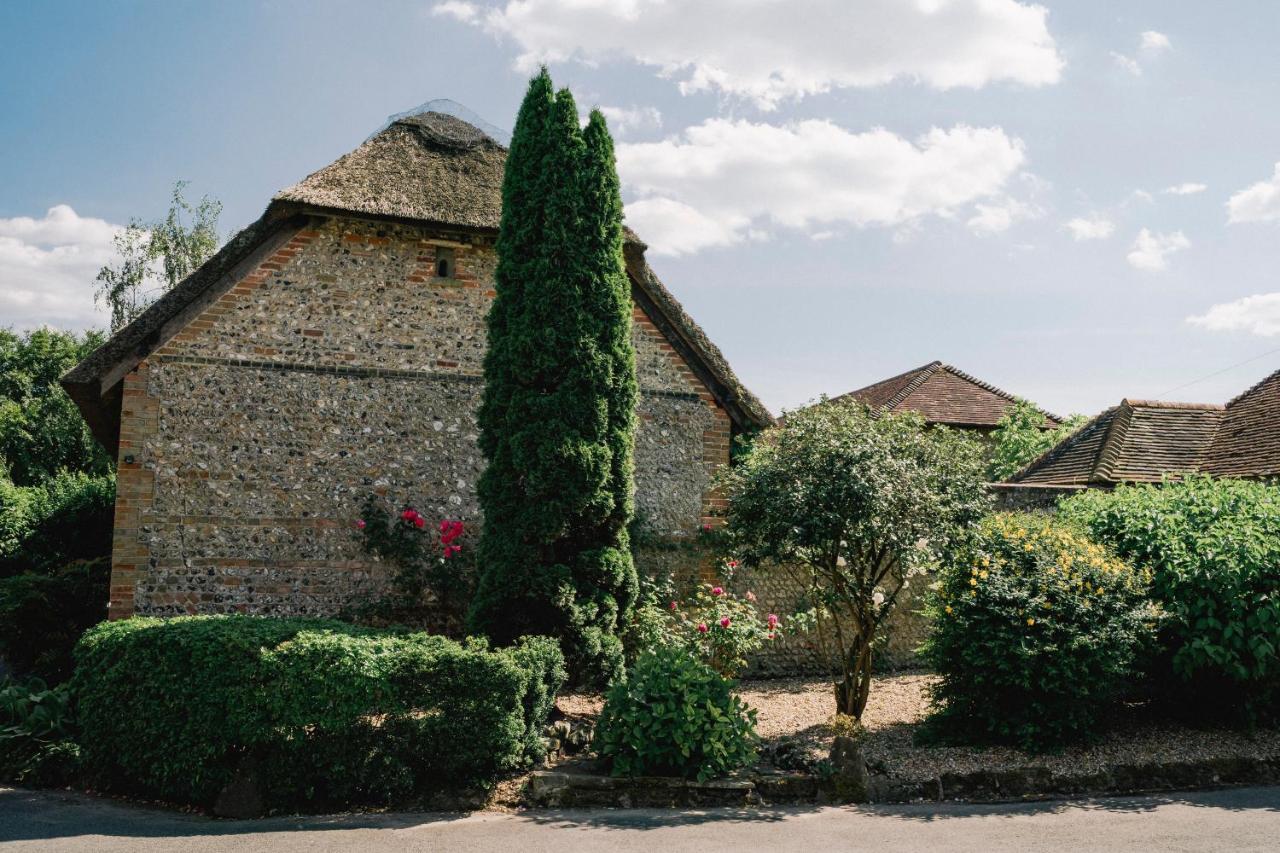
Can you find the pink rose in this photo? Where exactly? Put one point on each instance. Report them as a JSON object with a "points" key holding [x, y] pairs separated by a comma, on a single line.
{"points": [[673, 605], [733, 564], [360, 524], [702, 627], [773, 621], [724, 623], [751, 596], [717, 591]]}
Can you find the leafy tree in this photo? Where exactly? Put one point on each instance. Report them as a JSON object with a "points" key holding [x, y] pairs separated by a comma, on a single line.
{"points": [[850, 505], [41, 431], [154, 256], [557, 418], [1020, 437]]}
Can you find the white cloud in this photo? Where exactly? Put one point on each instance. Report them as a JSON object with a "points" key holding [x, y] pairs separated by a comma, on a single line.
{"points": [[1150, 251], [1150, 43], [1128, 63], [1259, 202], [623, 120], [457, 9], [1189, 188], [1154, 42], [723, 180], [769, 50], [47, 267], [1258, 315], [1095, 226], [998, 216]]}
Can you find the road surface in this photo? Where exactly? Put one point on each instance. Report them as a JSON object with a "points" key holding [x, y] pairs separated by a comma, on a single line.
{"points": [[1238, 820]]}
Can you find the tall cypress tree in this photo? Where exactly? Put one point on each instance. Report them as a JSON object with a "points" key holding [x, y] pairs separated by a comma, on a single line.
{"points": [[557, 419]]}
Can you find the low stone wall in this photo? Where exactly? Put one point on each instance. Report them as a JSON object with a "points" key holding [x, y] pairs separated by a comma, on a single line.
{"points": [[1015, 497]]}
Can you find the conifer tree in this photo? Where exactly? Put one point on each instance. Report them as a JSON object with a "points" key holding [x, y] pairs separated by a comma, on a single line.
{"points": [[557, 418]]}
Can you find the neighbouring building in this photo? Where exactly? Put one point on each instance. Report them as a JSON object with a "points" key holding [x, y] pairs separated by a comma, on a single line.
{"points": [[1145, 441], [945, 396], [332, 349]]}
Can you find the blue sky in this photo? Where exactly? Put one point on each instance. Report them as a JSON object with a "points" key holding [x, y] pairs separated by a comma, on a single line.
{"points": [[838, 191]]}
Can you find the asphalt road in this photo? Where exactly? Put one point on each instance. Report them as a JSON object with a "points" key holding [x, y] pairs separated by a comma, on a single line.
{"points": [[1237, 820]]}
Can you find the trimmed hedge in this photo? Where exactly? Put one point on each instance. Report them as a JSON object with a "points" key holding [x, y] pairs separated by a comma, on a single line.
{"points": [[324, 714]]}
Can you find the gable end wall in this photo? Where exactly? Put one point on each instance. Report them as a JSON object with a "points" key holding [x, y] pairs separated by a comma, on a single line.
{"points": [[337, 367]]}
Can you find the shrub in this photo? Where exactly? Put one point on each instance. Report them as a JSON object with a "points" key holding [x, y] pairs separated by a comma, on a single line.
{"points": [[675, 716], [433, 570], [1035, 633], [849, 504], [325, 714], [43, 615], [1214, 549], [67, 518], [35, 733], [712, 623]]}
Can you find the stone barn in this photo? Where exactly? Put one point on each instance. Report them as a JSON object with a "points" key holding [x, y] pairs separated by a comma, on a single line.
{"points": [[332, 349]]}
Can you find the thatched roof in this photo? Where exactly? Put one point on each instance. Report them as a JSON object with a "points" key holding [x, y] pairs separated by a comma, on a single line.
{"points": [[426, 168], [430, 168]]}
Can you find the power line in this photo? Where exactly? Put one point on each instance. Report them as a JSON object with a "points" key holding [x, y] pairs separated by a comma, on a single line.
{"points": [[1219, 372]]}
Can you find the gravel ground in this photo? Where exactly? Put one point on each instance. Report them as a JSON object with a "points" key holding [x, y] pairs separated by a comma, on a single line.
{"points": [[799, 709]]}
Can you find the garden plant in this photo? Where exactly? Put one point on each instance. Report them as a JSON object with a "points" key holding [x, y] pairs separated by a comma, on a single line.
{"points": [[851, 505], [674, 716], [1037, 631], [557, 420], [1213, 547]]}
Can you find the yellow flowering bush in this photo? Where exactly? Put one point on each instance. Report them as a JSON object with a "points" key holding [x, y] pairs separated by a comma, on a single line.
{"points": [[1036, 631]]}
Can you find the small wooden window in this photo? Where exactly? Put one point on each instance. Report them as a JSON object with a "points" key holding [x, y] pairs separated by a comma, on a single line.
{"points": [[444, 263]]}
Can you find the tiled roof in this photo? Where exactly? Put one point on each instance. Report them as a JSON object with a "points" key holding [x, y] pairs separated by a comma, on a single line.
{"points": [[943, 394], [1139, 441], [1248, 441]]}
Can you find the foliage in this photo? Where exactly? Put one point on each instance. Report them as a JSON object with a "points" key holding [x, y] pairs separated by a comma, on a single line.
{"points": [[1020, 437], [1036, 631], [43, 527], [712, 623], [35, 733], [675, 716], [42, 615], [1214, 549], [41, 430], [325, 713], [153, 257], [434, 572], [557, 419], [850, 504]]}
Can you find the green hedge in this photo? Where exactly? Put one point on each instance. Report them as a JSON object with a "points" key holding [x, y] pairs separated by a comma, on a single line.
{"points": [[1036, 633], [1214, 549], [324, 713]]}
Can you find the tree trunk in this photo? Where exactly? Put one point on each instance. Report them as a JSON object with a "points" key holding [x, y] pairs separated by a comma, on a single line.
{"points": [[852, 691]]}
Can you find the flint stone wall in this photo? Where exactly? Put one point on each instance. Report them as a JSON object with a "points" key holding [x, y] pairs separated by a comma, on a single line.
{"points": [[338, 367]]}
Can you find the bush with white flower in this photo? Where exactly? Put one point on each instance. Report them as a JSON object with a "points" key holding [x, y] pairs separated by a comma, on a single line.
{"points": [[850, 504]]}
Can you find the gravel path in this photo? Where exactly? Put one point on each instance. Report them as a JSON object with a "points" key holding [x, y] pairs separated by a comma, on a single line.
{"points": [[799, 709]]}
